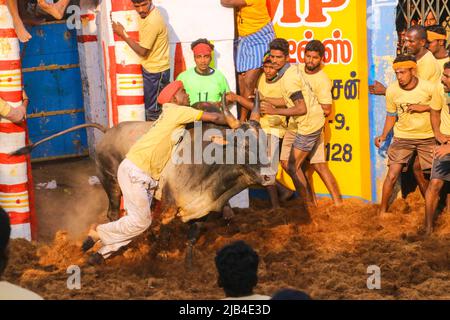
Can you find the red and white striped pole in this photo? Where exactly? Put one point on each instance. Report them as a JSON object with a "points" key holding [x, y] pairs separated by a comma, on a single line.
{"points": [[123, 71], [16, 187], [92, 75]]}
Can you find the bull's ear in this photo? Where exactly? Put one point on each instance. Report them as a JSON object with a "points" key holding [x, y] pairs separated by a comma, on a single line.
{"points": [[256, 114]]}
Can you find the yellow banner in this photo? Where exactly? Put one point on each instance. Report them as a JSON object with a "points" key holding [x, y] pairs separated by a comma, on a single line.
{"points": [[341, 26]]}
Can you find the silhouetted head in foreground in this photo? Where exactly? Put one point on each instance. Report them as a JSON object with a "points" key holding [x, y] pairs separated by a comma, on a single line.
{"points": [[5, 232], [237, 265], [290, 294]]}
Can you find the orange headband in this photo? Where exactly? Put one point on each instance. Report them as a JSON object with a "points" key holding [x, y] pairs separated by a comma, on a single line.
{"points": [[405, 64], [202, 48], [431, 36]]}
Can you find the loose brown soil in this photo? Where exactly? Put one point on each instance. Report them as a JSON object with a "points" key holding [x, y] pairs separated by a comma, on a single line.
{"points": [[326, 256]]}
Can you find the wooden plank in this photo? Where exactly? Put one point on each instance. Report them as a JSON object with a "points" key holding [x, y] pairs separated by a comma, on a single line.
{"points": [[53, 113], [51, 67]]}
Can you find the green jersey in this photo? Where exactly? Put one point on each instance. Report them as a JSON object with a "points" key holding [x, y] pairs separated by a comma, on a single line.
{"points": [[204, 88]]}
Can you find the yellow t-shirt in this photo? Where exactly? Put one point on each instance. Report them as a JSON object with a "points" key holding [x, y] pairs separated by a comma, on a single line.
{"points": [[412, 125], [4, 108], [9, 291], [154, 149], [153, 35], [445, 112], [272, 124], [428, 68], [442, 62], [294, 80], [253, 17]]}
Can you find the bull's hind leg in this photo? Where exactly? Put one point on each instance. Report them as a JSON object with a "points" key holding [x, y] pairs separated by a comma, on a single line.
{"points": [[112, 189]]}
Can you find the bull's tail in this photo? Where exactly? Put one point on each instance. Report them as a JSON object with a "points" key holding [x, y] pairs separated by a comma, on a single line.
{"points": [[28, 148]]}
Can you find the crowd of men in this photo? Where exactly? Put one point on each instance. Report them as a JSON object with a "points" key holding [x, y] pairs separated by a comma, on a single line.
{"points": [[417, 112], [295, 102], [296, 99]]}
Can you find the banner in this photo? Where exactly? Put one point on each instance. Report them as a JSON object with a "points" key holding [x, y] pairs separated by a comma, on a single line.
{"points": [[341, 26]]}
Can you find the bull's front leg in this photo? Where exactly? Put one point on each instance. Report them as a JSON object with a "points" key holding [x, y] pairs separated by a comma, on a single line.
{"points": [[195, 228]]}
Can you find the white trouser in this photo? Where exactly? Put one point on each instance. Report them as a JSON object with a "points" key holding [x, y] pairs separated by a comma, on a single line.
{"points": [[137, 190]]}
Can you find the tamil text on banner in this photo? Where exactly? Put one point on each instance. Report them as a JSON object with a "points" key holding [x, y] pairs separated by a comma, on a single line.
{"points": [[341, 26]]}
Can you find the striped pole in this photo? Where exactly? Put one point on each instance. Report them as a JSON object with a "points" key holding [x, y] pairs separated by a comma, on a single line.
{"points": [[92, 75], [123, 72], [16, 187]]}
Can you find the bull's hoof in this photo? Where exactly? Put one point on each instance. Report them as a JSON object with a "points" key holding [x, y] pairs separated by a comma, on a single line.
{"points": [[194, 232], [227, 213], [188, 259]]}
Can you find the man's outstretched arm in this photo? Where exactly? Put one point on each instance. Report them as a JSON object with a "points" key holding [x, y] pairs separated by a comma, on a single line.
{"points": [[119, 29], [217, 118]]}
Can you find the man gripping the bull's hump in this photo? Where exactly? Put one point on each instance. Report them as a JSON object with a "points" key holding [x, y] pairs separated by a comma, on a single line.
{"points": [[139, 172]]}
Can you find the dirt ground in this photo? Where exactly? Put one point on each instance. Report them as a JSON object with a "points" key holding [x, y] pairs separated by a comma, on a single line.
{"points": [[326, 256]]}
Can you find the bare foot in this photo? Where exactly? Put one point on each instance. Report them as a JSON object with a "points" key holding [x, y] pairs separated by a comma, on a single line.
{"points": [[285, 194], [275, 209], [56, 10], [384, 214], [93, 232], [21, 31], [428, 231]]}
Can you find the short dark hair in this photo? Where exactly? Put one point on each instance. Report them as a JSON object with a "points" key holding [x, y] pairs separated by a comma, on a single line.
{"points": [[420, 30], [138, 1], [280, 44], [317, 46], [405, 57], [439, 30], [447, 65], [202, 40], [237, 265], [290, 294], [5, 233]]}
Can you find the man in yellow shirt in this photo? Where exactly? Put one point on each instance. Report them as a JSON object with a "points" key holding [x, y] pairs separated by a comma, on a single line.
{"points": [[15, 115], [274, 126], [9, 291], [310, 83], [437, 44], [440, 173], [255, 31], [427, 66], [139, 172], [153, 47], [427, 69], [408, 105]]}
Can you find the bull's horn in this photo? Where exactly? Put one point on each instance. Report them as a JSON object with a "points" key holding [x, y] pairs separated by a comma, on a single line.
{"points": [[256, 113], [232, 122]]}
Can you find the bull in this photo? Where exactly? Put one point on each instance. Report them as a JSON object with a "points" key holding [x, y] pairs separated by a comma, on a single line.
{"points": [[186, 190]]}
